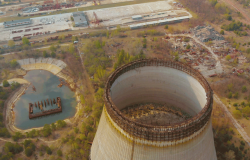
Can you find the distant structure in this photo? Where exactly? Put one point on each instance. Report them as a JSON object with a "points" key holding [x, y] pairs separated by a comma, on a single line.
{"points": [[158, 22], [17, 23], [140, 135], [80, 19], [43, 105], [137, 17], [206, 33]]}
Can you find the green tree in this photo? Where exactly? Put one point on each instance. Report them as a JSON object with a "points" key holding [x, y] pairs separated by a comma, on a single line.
{"points": [[52, 48], [13, 63], [237, 114], [188, 46], [71, 49], [45, 54], [11, 43], [244, 89], [25, 41], [222, 32], [46, 130], [17, 136], [246, 110], [61, 124], [236, 95], [28, 151], [166, 26], [53, 54], [230, 94], [228, 57], [48, 151], [6, 83], [53, 126], [107, 34], [59, 153], [248, 51]]}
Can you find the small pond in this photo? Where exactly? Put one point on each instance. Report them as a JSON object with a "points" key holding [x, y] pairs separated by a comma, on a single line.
{"points": [[46, 85]]}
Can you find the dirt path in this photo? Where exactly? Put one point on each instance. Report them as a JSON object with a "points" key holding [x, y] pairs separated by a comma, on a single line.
{"points": [[238, 9], [235, 123]]}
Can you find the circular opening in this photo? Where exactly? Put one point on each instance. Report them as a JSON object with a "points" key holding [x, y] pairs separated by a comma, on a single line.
{"points": [[160, 86]]}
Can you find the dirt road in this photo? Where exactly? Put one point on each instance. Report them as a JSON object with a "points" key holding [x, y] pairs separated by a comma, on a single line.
{"points": [[235, 123], [230, 2]]}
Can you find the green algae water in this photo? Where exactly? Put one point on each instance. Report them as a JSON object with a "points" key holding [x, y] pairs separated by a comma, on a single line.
{"points": [[46, 85]]}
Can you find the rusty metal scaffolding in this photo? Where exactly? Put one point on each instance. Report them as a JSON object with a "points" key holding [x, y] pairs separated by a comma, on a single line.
{"points": [[171, 132]]}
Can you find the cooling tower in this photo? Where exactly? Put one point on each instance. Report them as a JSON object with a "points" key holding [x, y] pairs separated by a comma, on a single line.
{"points": [[155, 110]]}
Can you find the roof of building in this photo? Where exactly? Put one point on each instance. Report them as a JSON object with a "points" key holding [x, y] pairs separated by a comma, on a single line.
{"points": [[79, 17], [17, 21], [136, 16]]}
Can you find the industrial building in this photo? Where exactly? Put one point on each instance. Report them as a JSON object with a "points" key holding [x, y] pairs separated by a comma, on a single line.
{"points": [[80, 19], [159, 22], [122, 136], [17, 23]]}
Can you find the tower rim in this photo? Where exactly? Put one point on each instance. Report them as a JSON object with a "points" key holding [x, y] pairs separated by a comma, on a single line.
{"points": [[171, 132]]}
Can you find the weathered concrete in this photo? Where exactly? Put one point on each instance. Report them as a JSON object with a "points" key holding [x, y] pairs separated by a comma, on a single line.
{"points": [[155, 81], [110, 144]]}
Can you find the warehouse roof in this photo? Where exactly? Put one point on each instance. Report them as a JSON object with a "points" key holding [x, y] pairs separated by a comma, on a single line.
{"points": [[17, 21], [79, 17]]}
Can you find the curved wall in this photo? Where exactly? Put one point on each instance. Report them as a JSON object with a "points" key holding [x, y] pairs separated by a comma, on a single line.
{"points": [[111, 144], [160, 85]]}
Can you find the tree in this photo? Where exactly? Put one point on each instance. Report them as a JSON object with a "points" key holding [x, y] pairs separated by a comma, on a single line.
{"points": [[17, 136], [246, 110], [48, 151], [11, 43], [237, 114], [166, 26], [53, 126], [13, 63], [53, 54], [222, 32], [6, 83], [228, 57], [230, 155], [28, 151], [71, 49], [59, 153], [236, 95], [244, 89], [230, 94], [61, 124], [62, 37], [46, 130], [188, 46], [25, 41], [45, 54], [52, 48], [248, 50]]}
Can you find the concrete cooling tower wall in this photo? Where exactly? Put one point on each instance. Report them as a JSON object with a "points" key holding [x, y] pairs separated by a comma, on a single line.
{"points": [[120, 137]]}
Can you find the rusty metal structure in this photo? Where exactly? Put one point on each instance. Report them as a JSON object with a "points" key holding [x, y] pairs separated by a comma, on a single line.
{"points": [[135, 135], [45, 112]]}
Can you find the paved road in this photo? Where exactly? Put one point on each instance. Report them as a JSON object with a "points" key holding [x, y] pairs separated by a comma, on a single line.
{"points": [[235, 123]]}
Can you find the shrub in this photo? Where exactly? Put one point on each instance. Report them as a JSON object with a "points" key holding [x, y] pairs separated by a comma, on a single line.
{"points": [[244, 89], [6, 83], [237, 114], [230, 94]]}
